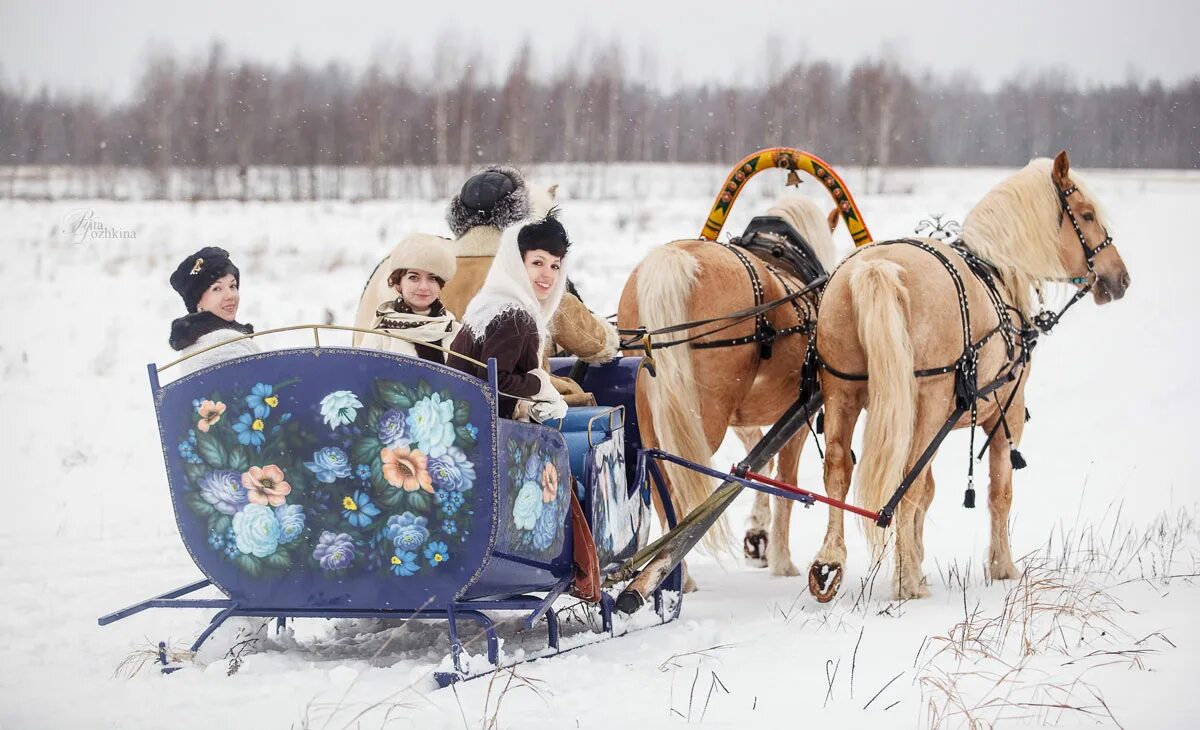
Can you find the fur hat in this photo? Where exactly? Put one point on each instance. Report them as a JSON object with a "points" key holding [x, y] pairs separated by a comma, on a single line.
{"points": [[425, 252], [197, 272], [495, 196], [547, 234]]}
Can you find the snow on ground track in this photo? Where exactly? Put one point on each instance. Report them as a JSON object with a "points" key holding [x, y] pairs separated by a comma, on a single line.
{"points": [[87, 524]]}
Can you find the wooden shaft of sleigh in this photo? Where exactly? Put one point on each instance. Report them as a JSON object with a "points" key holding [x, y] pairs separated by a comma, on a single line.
{"points": [[690, 531]]}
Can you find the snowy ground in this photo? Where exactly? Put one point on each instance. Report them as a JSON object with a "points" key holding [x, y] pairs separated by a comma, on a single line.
{"points": [[1098, 633]]}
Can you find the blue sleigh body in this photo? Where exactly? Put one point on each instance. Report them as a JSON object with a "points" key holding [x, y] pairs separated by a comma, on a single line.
{"points": [[335, 482]]}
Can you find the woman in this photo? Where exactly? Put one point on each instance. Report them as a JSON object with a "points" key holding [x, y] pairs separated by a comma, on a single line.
{"points": [[509, 319], [210, 286], [421, 265]]}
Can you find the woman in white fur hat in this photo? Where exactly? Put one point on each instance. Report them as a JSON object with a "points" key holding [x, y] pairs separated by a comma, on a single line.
{"points": [[420, 266], [509, 319]]}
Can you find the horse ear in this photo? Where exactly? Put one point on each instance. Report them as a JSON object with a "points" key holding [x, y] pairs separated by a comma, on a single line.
{"points": [[834, 217], [552, 191], [1062, 169]]}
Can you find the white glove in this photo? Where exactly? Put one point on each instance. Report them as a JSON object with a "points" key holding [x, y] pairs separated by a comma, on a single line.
{"points": [[542, 411], [547, 403]]}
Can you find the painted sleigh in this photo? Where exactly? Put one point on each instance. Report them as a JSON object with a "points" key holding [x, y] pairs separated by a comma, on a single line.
{"points": [[332, 482]]}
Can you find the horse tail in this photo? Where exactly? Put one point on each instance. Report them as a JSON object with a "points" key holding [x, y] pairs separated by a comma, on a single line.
{"points": [[665, 282], [881, 303]]}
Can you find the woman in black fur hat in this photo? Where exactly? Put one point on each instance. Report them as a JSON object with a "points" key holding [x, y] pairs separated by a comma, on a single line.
{"points": [[209, 284]]}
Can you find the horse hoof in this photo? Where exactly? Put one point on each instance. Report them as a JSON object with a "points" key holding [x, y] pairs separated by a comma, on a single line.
{"points": [[788, 570], [754, 546], [1003, 572], [824, 579], [911, 594], [689, 585]]}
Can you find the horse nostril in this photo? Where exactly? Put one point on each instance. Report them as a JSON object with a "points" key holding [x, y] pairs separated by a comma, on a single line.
{"points": [[1124, 279]]}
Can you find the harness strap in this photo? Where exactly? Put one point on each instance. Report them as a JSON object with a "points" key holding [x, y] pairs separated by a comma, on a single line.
{"points": [[967, 391], [733, 319], [805, 327], [764, 333]]}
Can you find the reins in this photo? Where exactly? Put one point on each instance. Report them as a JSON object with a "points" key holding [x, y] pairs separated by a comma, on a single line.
{"points": [[641, 338]]}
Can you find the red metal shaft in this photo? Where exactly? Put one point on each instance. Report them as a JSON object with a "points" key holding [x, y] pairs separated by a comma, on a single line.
{"points": [[754, 476]]}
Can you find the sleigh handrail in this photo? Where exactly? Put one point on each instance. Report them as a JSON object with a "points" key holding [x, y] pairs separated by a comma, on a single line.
{"points": [[316, 328]]}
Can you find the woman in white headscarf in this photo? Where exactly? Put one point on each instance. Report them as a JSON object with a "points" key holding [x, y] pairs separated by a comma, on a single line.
{"points": [[509, 319]]}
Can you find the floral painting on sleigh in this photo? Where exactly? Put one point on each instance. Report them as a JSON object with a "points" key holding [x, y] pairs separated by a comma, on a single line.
{"points": [[539, 483], [377, 481]]}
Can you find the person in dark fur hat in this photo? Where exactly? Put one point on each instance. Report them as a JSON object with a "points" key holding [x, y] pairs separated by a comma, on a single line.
{"points": [[496, 196], [210, 286]]}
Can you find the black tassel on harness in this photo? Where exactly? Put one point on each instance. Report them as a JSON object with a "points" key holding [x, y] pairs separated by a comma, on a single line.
{"points": [[969, 498], [820, 427], [1018, 461]]}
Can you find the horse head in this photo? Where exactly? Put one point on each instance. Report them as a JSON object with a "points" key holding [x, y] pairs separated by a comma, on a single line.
{"points": [[1084, 244]]}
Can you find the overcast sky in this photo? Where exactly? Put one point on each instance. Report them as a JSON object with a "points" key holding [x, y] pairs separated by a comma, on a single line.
{"points": [[100, 46]]}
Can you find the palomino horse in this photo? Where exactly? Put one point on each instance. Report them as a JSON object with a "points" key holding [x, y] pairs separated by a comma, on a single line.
{"points": [[897, 325], [699, 393]]}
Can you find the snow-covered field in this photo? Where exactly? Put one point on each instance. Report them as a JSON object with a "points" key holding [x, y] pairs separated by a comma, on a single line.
{"points": [[1102, 631]]}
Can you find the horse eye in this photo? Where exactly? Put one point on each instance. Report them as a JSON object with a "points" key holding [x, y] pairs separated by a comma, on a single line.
{"points": [[1089, 217]]}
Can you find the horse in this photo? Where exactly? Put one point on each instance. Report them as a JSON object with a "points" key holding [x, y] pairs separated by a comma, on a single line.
{"points": [[697, 393], [914, 330]]}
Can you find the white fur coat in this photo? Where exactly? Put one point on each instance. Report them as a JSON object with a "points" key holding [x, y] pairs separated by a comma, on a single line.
{"points": [[215, 355]]}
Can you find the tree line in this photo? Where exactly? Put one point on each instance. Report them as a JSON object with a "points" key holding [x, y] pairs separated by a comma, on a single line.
{"points": [[215, 112]]}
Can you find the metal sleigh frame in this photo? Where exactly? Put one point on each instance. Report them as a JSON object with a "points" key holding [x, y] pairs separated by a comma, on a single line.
{"points": [[647, 469], [473, 609]]}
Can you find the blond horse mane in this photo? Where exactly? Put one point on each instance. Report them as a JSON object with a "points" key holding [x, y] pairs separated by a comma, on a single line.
{"points": [[1016, 226], [805, 215]]}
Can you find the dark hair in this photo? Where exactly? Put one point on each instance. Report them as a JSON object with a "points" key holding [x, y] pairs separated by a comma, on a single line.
{"points": [[395, 277], [547, 235]]}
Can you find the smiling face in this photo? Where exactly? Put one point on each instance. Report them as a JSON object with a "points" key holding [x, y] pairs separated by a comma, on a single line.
{"points": [[419, 289], [543, 269], [221, 298]]}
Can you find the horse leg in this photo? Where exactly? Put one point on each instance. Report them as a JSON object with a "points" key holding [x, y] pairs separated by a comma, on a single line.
{"points": [[754, 545], [908, 579], [841, 414], [779, 551], [1000, 563], [919, 519]]}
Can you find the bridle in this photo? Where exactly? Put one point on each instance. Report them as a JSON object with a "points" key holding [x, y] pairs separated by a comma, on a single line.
{"points": [[1045, 320]]}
